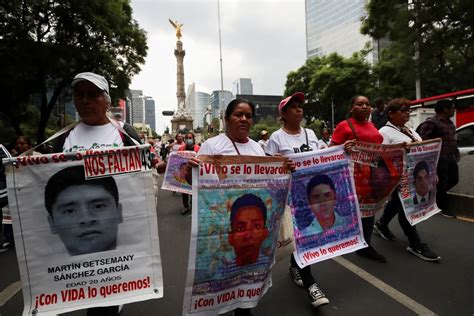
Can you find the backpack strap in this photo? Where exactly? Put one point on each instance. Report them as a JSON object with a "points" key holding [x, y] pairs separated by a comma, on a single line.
{"points": [[437, 130], [352, 128]]}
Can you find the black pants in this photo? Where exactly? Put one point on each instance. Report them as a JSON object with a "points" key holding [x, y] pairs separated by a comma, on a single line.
{"points": [[306, 275], [393, 207], [103, 311], [448, 177], [185, 198], [8, 233], [368, 228]]}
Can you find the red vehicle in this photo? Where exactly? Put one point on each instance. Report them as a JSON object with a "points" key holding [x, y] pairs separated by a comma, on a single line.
{"points": [[464, 101]]}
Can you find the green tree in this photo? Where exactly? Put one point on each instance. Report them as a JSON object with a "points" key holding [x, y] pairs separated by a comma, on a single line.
{"points": [[44, 43], [431, 39], [331, 79]]}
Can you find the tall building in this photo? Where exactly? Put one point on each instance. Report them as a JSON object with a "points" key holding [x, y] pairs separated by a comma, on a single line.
{"points": [[242, 86], [334, 26], [265, 105], [119, 110], [197, 103], [138, 106], [215, 101], [150, 112]]}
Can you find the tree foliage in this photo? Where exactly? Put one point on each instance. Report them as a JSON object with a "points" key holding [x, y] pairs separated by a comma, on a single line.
{"points": [[441, 33], [43, 44], [328, 80]]}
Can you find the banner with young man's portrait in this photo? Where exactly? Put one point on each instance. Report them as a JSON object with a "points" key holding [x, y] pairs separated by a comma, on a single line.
{"points": [[86, 230], [418, 185], [237, 209], [324, 207], [377, 172], [177, 176]]}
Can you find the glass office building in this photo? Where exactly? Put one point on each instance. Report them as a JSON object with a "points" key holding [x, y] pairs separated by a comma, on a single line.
{"points": [[334, 26]]}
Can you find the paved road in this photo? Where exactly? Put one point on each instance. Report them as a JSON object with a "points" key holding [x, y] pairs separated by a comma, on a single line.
{"points": [[403, 286]]}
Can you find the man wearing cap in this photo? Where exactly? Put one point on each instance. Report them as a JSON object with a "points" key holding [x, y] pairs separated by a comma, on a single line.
{"points": [[95, 131], [263, 142]]}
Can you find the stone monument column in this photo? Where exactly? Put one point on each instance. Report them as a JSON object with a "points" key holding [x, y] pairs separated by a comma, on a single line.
{"points": [[179, 52], [182, 119]]}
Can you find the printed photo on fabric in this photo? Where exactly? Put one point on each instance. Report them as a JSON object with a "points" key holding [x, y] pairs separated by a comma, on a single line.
{"points": [[324, 206], [85, 229], [418, 185], [177, 176], [236, 220]]}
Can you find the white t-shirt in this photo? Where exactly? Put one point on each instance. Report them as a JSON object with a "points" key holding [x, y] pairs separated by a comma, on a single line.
{"points": [[222, 145], [322, 144], [176, 146], [83, 137], [392, 134], [283, 143], [263, 143]]}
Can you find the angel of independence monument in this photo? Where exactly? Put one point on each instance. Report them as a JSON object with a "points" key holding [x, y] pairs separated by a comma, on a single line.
{"points": [[181, 119]]}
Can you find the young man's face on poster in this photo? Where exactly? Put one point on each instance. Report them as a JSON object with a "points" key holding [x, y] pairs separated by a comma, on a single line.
{"points": [[248, 231], [422, 182], [86, 218], [322, 201], [380, 179]]}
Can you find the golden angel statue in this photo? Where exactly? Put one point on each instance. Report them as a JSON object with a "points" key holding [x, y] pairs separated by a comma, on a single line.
{"points": [[177, 26]]}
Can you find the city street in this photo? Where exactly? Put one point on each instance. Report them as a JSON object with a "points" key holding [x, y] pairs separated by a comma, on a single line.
{"points": [[405, 285]]}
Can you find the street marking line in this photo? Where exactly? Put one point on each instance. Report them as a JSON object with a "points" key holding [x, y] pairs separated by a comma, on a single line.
{"points": [[9, 292], [466, 219], [384, 287]]}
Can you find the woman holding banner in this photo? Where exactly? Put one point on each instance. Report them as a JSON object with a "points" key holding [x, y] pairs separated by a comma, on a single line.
{"points": [[190, 145], [239, 119], [292, 138], [395, 132], [358, 127]]}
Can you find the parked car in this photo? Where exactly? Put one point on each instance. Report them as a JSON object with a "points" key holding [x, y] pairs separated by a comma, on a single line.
{"points": [[465, 139]]}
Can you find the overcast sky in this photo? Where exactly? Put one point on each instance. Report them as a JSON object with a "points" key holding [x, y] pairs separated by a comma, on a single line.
{"points": [[261, 39]]}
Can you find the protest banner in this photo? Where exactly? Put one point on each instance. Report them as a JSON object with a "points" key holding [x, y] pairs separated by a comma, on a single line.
{"points": [[418, 184], [377, 172], [85, 229], [177, 177], [324, 206], [237, 212]]}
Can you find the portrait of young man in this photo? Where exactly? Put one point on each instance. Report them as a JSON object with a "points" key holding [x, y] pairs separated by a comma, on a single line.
{"points": [[322, 201], [421, 180], [248, 230], [85, 214]]}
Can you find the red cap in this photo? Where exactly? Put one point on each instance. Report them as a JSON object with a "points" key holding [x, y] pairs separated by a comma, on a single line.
{"points": [[297, 95]]}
